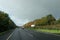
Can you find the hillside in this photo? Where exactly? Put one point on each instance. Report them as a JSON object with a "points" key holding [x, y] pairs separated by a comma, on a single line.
{"points": [[5, 22], [47, 22]]}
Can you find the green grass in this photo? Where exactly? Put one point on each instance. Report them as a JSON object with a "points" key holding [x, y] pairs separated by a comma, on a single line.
{"points": [[47, 30], [4, 32], [54, 31]]}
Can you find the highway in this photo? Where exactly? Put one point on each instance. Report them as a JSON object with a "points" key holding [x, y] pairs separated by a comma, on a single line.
{"points": [[6, 35], [24, 34]]}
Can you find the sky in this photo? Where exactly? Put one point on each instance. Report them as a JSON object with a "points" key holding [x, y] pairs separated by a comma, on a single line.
{"points": [[23, 11]]}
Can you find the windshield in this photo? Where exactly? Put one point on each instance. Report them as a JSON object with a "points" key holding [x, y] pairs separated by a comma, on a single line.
{"points": [[29, 19]]}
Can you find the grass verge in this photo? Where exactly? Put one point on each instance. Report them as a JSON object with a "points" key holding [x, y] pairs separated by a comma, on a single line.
{"points": [[47, 30], [54, 31], [2, 33]]}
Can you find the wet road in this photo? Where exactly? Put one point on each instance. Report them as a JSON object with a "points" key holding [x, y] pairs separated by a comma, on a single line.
{"points": [[24, 34], [5, 35]]}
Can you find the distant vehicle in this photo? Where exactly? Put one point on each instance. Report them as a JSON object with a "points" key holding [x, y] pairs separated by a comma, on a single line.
{"points": [[22, 27]]}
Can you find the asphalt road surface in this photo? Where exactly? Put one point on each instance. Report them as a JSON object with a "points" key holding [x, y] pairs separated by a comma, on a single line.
{"points": [[24, 34], [5, 35]]}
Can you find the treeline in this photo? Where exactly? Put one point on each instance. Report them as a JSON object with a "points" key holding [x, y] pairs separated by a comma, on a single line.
{"points": [[44, 21], [5, 22]]}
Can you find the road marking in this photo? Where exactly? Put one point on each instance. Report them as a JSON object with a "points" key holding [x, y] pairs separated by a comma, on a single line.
{"points": [[9, 36], [30, 35]]}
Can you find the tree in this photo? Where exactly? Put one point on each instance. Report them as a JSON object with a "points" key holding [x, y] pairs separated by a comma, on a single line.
{"points": [[58, 21], [4, 22], [50, 19], [47, 20]]}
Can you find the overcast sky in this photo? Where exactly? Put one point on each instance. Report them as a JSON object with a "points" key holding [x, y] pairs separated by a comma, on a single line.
{"points": [[22, 11]]}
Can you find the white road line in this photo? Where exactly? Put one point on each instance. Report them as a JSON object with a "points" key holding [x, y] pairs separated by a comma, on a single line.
{"points": [[9, 36], [30, 35]]}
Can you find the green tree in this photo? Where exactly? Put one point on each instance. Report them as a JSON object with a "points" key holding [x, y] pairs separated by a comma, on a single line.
{"points": [[58, 21], [51, 19], [4, 22]]}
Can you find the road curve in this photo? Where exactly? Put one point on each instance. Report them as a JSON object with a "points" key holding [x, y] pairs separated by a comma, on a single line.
{"points": [[24, 34]]}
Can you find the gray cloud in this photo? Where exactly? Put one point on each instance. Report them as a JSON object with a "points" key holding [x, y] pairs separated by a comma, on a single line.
{"points": [[22, 11]]}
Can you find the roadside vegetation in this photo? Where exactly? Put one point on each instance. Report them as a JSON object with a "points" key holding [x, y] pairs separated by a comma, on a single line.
{"points": [[45, 24], [5, 23], [49, 31]]}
